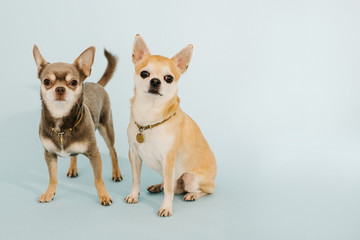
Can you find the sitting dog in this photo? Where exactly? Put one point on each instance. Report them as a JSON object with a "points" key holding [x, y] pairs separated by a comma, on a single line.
{"points": [[161, 135], [71, 112]]}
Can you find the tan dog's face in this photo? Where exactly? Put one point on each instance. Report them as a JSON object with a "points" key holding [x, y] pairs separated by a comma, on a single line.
{"points": [[61, 83], [157, 76]]}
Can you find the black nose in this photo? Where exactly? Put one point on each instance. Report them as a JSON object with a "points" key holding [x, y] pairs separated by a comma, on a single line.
{"points": [[155, 82], [60, 90]]}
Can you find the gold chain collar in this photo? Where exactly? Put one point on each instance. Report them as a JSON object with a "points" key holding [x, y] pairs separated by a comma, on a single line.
{"points": [[60, 134], [140, 137]]}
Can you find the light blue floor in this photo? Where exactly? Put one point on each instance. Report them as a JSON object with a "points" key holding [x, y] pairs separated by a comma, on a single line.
{"points": [[307, 197]]}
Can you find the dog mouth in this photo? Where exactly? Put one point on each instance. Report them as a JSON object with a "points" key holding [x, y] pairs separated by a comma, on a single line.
{"points": [[60, 99], [154, 91]]}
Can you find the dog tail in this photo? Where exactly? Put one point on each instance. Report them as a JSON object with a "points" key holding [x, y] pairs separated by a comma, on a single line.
{"points": [[110, 69]]}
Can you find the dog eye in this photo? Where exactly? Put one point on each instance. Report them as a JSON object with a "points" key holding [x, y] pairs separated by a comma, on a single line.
{"points": [[47, 82], [144, 74], [168, 78], [73, 83]]}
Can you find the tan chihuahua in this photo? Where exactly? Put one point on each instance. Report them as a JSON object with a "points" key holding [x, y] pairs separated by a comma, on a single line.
{"points": [[161, 135], [71, 112]]}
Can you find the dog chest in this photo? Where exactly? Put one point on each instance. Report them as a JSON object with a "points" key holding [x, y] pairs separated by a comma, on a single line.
{"points": [[155, 148], [74, 148]]}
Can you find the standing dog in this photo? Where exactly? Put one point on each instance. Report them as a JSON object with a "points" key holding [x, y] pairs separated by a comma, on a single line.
{"points": [[71, 112], [161, 135]]}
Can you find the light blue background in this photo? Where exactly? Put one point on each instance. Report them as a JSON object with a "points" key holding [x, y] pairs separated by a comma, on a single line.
{"points": [[274, 86]]}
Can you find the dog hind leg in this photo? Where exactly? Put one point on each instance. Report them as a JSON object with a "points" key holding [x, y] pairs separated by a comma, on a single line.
{"points": [[107, 132], [194, 188], [73, 171]]}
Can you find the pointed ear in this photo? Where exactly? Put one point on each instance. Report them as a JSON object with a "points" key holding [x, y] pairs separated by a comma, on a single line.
{"points": [[183, 57], [140, 50], [39, 59], [85, 61]]}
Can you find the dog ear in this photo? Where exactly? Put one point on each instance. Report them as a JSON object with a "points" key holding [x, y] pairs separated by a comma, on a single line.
{"points": [[39, 59], [85, 61], [140, 50], [183, 57]]}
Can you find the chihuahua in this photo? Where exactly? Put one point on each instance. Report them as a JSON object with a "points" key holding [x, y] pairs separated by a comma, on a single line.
{"points": [[161, 135], [71, 112]]}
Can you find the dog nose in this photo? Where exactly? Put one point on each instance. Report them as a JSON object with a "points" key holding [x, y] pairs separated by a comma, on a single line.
{"points": [[155, 82], [60, 90]]}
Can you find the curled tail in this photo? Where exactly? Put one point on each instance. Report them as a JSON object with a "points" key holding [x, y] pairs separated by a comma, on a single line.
{"points": [[110, 69]]}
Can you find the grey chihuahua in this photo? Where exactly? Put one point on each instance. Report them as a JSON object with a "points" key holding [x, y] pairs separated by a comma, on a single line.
{"points": [[71, 112]]}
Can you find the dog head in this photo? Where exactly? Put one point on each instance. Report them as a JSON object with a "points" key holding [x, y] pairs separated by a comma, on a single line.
{"points": [[157, 76], [61, 83]]}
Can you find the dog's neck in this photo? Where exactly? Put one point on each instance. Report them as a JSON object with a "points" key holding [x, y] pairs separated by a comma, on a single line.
{"points": [[59, 116], [148, 110]]}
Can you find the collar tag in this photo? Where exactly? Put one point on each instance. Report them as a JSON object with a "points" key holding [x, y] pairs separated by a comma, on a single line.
{"points": [[61, 134], [140, 137]]}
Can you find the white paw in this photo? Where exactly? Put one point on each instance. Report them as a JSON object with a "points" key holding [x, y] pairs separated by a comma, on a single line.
{"points": [[164, 212], [131, 199], [191, 196]]}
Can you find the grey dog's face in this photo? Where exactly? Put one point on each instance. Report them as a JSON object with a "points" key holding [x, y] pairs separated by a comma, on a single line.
{"points": [[60, 82]]}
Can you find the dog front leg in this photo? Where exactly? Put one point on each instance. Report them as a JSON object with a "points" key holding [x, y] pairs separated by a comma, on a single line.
{"points": [[96, 163], [51, 161], [136, 163], [168, 177]]}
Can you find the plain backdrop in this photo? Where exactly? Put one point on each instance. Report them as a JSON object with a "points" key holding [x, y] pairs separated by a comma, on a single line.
{"points": [[273, 85]]}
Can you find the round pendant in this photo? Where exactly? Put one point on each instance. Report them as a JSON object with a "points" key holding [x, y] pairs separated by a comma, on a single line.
{"points": [[140, 138]]}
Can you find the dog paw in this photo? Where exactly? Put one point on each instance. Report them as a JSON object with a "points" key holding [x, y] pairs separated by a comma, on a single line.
{"points": [[155, 188], [46, 197], [105, 200], [72, 173], [191, 197], [131, 199], [117, 177], [164, 212]]}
